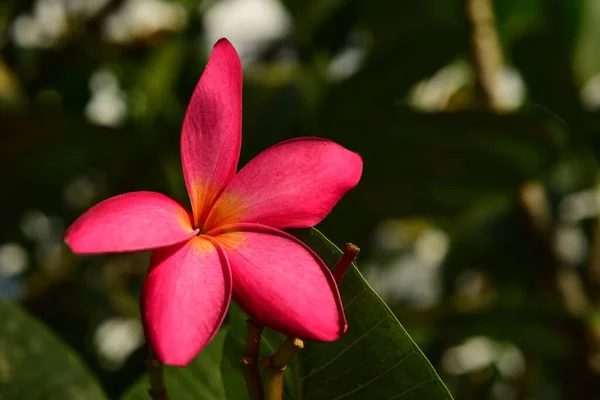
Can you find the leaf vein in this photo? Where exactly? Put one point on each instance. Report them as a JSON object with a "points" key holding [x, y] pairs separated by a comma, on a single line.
{"points": [[413, 388], [384, 373], [361, 337], [358, 366], [355, 297]]}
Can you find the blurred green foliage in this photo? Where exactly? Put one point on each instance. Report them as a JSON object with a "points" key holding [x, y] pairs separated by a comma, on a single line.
{"points": [[478, 229]]}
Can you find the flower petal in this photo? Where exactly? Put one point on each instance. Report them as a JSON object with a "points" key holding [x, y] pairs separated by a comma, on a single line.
{"points": [[282, 283], [184, 298], [212, 129], [293, 184], [130, 222]]}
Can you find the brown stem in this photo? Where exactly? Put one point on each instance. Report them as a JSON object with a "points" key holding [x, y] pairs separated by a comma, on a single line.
{"points": [[250, 361], [158, 389], [350, 253], [556, 279], [297, 378], [486, 52], [274, 383], [275, 367]]}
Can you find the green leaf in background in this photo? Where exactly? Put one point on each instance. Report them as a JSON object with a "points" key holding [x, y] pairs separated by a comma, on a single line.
{"points": [[442, 164], [376, 358], [34, 364], [201, 379]]}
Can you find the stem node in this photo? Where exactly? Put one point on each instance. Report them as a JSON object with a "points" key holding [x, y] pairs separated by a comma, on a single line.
{"points": [[249, 360]]}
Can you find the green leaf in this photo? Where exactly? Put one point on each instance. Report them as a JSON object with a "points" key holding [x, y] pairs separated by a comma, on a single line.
{"points": [[201, 379], [34, 364], [376, 358]]}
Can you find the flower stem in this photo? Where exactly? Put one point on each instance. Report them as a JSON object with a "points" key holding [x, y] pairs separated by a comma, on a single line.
{"points": [[297, 378], [250, 361], [275, 367], [350, 253], [158, 389]]}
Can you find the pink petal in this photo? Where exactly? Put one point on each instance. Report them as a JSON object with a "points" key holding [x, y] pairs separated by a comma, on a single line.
{"points": [[184, 298], [282, 283], [130, 222], [212, 129], [293, 184]]}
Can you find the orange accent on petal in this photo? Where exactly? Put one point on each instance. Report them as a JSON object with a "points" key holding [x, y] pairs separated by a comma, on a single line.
{"points": [[185, 219], [230, 204], [202, 246], [231, 209], [202, 197], [230, 237]]}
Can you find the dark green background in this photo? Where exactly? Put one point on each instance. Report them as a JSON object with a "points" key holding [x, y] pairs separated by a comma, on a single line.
{"points": [[455, 169]]}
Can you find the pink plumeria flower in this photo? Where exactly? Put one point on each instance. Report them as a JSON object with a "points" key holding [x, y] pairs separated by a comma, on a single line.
{"points": [[231, 244]]}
